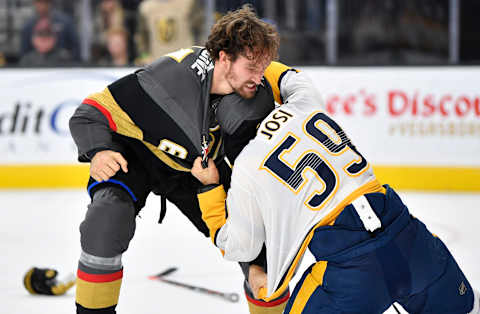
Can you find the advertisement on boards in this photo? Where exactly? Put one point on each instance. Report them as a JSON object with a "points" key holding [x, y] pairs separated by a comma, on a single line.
{"points": [[422, 116], [35, 108], [408, 122]]}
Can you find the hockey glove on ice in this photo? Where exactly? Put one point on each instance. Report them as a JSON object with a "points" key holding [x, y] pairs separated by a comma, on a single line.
{"points": [[44, 281]]}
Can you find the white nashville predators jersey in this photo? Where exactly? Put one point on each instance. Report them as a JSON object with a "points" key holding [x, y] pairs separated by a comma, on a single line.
{"points": [[298, 173]]}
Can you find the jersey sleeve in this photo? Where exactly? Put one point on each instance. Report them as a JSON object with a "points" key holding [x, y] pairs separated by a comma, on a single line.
{"points": [[91, 132], [243, 235], [289, 84], [235, 222], [298, 88]]}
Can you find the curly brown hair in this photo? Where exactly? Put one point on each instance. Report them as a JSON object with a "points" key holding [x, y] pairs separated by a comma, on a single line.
{"points": [[241, 32]]}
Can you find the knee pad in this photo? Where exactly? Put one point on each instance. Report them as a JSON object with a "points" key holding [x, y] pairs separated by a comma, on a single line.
{"points": [[109, 224]]}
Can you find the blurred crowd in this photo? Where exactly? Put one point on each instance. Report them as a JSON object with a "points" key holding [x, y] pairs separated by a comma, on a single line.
{"points": [[135, 32]]}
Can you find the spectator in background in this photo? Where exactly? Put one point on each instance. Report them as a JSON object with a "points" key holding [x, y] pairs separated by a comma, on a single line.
{"points": [[117, 46], [109, 14], [163, 27], [197, 22], [315, 15], [61, 24], [225, 6], [131, 5], [46, 52], [197, 18]]}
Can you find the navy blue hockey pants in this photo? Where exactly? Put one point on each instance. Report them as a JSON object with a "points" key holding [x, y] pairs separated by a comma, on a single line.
{"points": [[363, 272]]}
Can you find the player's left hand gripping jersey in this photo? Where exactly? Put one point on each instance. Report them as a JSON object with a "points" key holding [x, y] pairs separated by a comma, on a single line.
{"points": [[165, 105], [297, 174]]}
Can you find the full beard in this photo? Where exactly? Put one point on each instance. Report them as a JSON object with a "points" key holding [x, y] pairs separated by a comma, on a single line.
{"points": [[242, 89], [245, 92]]}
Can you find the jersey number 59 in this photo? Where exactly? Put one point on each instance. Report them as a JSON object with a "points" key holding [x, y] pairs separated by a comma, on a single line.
{"points": [[331, 137]]}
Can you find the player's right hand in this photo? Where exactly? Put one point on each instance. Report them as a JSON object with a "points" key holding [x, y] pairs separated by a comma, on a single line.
{"points": [[207, 175], [105, 164]]}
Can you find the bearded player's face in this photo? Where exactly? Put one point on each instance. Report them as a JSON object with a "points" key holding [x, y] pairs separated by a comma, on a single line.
{"points": [[244, 74]]}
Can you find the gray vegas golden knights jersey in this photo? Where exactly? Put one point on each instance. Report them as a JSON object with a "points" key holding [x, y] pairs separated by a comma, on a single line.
{"points": [[297, 174], [166, 105]]}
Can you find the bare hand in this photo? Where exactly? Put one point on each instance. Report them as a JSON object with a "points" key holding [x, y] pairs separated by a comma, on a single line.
{"points": [[257, 279], [207, 175], [105, 164]]}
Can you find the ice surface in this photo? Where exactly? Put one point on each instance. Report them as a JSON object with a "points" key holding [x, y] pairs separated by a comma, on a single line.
{"points": [[40, 228]]}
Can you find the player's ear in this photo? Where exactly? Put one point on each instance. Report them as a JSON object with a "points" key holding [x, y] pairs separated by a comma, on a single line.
{"points": [[223, 58]]}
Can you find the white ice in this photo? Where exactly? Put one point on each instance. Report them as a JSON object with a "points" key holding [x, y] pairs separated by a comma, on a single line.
{"points": [[40, 228]]}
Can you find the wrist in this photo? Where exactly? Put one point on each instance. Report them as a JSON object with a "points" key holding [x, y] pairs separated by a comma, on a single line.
{"points": [[207, 187]]}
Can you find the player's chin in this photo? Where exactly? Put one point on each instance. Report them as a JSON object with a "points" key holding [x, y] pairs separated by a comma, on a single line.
{"points": [[247, 93]]}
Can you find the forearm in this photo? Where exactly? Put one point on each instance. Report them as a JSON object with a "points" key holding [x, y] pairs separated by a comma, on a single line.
{"points": [[212, 204], [241, 236], [232, 229], [90, 131]]}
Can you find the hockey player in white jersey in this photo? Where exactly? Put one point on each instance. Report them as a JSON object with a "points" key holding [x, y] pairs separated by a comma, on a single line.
{"points": [[302, 183]]}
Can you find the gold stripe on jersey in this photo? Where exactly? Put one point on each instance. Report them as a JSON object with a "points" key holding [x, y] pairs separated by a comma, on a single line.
{"points": [[309, 285], [164, 158], [217, 149], [212, 206], [273, 74], [180, 54], [126, 126], [370, 187]]}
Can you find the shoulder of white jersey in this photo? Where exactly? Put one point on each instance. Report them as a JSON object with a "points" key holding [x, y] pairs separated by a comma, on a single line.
{"points": [[274, 74], [298, 88]]}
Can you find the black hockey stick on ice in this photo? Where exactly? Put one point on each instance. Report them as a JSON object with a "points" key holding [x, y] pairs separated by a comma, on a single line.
{"points": [[232, 297]]}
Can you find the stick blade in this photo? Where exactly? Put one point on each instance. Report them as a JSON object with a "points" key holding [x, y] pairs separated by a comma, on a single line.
{"points": [[163, 273]]}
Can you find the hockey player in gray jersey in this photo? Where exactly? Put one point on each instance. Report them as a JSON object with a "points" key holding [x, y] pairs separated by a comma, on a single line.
{"points": [[142, 133]]}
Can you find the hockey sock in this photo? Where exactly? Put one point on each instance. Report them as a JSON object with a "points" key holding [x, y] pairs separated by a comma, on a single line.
{"points": [[98, 292], [273, 307]]}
